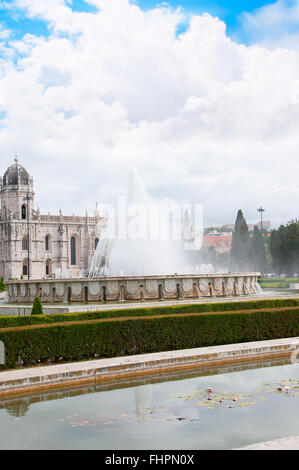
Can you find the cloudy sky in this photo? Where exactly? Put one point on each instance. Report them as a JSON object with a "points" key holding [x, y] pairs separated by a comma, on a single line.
{"points": [[200, 97]]}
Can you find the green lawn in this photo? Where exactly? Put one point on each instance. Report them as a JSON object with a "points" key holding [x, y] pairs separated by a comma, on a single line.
{"points": [[277, 283]]}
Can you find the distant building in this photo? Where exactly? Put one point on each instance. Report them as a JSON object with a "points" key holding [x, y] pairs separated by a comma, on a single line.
{"points": [[220, 238], [221, 241], [266, 226]]}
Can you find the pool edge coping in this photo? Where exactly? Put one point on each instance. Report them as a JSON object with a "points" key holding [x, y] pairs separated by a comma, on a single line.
{"points": [[22, 381], [285, 443]]}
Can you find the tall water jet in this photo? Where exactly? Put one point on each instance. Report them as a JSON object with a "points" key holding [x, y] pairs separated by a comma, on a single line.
{"points": [[147, 238]]}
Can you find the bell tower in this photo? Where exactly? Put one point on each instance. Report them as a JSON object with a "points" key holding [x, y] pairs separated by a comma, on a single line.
{"points": [[16, 195], [15, 186]]}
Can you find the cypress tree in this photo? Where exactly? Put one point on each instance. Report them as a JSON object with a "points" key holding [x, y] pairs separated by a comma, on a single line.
{"points": [[37, 308], [239, 257], [258, 255]]}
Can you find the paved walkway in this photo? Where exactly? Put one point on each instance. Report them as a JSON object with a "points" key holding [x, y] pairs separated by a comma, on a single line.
{"points": [[287, 443], [19, 309]]}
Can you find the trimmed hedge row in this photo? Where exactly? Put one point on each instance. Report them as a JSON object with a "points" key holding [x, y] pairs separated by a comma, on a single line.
{"points": [[75, 342], [276, 285], [6, 322]]}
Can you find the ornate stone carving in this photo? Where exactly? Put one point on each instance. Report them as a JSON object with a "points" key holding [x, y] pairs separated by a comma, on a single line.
{"points": [[253, 288], [76, 288], [187, 285], [46, 289], [32, 290], [112, 287], [151, 286], [132, 287], [197, 285], [217, 283], [237, 288], [169, 285], [94, 288], [203, 285], [59, 288], [23, 290], [230, 284]]}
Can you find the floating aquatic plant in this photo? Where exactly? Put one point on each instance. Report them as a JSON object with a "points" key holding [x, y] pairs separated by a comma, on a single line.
{"points": [[208, 399]]}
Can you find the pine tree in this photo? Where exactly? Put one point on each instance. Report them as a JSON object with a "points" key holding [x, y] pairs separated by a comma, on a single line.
{"points": [[239, 257], [37, 308]]}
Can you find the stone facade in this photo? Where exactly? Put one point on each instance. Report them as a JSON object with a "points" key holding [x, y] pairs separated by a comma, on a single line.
{"points": [[133, 288], [56, 242]]}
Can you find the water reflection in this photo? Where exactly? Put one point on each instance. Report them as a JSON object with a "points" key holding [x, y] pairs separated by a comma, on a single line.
{"points": [[19, 406], [163, 412]]}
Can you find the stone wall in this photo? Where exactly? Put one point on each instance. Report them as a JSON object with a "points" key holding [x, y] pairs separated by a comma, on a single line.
{"points": [[133, 288]]}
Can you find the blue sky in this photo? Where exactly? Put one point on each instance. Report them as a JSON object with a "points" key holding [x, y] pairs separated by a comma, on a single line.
{"points": [[226, 10], [201, 118], [229, 11]]}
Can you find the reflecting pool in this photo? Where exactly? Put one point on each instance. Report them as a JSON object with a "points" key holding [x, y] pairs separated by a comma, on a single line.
{"points": [[219, 408]]}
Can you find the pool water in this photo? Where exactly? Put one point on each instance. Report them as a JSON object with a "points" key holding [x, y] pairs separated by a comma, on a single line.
{"points": [[208, 409]]}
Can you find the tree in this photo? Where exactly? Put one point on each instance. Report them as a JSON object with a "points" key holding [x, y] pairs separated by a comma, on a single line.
{"points": [[2, 285], [239, 256], [284, 248], [37, 308], [257, 252]]}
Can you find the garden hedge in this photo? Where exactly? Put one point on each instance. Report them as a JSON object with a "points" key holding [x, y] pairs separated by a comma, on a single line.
{"points": [[7, 321], [32, 345]]}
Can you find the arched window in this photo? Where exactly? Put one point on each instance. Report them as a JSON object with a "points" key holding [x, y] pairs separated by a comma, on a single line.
{"points": [[73, 251], [48, 243], [25, 270], [24, 212], [48, 267], [25, 243], [96, 242]]}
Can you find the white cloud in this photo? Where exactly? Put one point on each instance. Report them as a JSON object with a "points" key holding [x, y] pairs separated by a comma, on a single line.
{"points": [[201, 117]]}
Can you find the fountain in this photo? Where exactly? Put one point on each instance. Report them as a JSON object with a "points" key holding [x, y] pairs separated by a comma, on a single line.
{"points": [[146, 253], [152, 244], [62, 273]]}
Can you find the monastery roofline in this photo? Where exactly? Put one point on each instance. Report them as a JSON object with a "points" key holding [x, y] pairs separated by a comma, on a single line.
{"points": [[56, 219], [66, 218]]}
